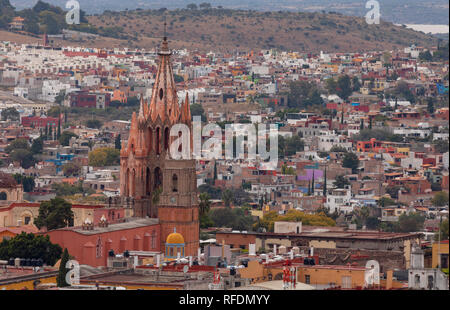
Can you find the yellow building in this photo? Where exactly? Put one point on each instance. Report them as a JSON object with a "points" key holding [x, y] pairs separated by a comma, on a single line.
{"points": [[24, 278], [439, 255]]}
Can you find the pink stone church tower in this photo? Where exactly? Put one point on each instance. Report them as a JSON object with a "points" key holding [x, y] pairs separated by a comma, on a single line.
{"points": [[161, 187]]}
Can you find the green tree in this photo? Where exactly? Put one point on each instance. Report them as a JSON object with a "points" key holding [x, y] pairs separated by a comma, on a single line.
{"points": [[61, 278], [192, 6], [356, 85], [227, 197], [27, 182], [65, 137], [54, 214], [372, 222], [118, 142], [94, 123], [440, 199], [205, 5], [54, 111], [204, 204], [30, 246], [330, 86], [341, 181], [393, 191], [443, 230], [344, 87], [38, 146], [104, 157], [351, 160], [338, 149], [11, 114], [71, 169], [441, 146], [24, 157], [425, 56], [197, 110], [16, 145], [213, 192], [410, 223], [385, 202], [430, 105]]}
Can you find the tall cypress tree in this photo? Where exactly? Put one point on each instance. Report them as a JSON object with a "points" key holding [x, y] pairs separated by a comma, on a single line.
{"points": [[215, 170], [50, 134], [312, 184], [58, 134], [61, 278], [117, 142], [46, 133], [325, 183]]}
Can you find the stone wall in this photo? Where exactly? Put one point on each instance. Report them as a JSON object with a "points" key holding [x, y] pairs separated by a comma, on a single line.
{"points": [[386, 259]]}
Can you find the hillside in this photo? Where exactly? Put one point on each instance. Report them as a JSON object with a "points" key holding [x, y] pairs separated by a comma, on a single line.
{"points": [[228, 30], [398, 11]]}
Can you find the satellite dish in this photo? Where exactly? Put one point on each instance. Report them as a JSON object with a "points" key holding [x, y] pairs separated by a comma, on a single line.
{"points": [[185, 269]]}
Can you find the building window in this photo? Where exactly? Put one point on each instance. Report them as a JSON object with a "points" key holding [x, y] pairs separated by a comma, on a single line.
{"points": [[346, 282], [27, 220], [153, 245], [430, 282], [174, 183], [444, 261], [98, 248], [3, 196], [307, 279]]}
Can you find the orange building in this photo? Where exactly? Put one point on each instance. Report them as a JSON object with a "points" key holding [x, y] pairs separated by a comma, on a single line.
{"points": [[119, 95]]}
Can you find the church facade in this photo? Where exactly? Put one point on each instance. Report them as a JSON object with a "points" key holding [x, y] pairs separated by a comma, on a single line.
{"points": [[159, 186]]}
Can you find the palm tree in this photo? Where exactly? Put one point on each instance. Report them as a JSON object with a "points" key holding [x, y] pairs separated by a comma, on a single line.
{"points": [[205, 203], [227, 197]]}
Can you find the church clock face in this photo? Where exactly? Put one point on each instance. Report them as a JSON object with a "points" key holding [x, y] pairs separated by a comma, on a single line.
{"points": [[173, 200]]}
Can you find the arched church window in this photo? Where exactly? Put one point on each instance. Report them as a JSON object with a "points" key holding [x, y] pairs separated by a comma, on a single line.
{"points": [[158, 141], [158, 177], [127, 182], [148, 182], [174, 183], [166, 138], [150, 139], [153, 239], [430, 282], [161, 94], [180, 147], [3, 196], [98, 248]]}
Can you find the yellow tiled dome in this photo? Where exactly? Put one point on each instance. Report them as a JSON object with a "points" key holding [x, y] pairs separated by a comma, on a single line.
{"points": [[174, 238]]}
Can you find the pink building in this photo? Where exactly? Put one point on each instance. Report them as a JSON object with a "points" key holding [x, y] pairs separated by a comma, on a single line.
{"points": [[90, 244]]}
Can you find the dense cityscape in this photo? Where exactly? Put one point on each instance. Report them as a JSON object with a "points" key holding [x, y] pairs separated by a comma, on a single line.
{"points": [[93, 197]]}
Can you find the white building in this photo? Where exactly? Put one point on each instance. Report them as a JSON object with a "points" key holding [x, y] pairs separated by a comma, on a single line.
{"points": [[326, 142], [339, 198], [421, 278]]}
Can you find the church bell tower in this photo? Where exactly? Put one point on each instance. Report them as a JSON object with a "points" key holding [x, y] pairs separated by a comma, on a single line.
{"points": [[161, 187]]}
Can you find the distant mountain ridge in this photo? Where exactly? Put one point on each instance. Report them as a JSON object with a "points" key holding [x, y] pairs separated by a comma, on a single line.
{"points": [[398, 11], [228, 30]]}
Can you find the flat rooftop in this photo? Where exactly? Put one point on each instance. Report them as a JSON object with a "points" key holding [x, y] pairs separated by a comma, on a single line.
{"points": [[130, 224]]}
